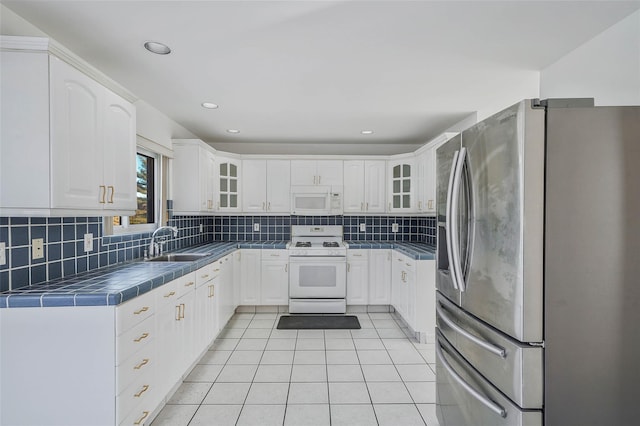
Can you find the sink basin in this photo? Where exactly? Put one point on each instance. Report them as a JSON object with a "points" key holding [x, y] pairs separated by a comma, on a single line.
{"points": [[178, 257]]}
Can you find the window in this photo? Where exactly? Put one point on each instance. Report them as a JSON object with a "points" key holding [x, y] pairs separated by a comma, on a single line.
{"points": [[147, 179]]}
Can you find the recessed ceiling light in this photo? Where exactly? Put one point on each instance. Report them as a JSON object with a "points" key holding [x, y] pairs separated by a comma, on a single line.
{"points": [[209, 105], [367, 132], [158, 48], [233, 130]]}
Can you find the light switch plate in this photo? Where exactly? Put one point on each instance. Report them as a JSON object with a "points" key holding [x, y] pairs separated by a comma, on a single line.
{"points": [[88, 242], [394, 227], [3, 255], [256, 227], [363, 227], [37, 248]]}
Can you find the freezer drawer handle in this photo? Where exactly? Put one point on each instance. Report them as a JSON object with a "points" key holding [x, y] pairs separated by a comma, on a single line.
{"points": [[477, 395], [494, 349]]}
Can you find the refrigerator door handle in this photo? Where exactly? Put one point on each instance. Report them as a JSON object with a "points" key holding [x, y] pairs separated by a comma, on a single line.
{"points": [[494, 349], [455, 245], [449, 221], [477, 395]]}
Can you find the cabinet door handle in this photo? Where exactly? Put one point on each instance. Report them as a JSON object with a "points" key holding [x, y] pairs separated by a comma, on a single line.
{"points": [[348, 267], [142, 364], [104, 194], [314, 179], [190, 283], [141, 419], [269, 206], [419, 205], [178, 313], [367, 206], [430, 204], [211, 291], [286, 267], [170, 294], [143, 390], [389, 206], [319, 179], [182, 308], [361, 206], [113, 191], [263, 205], [144, 309], [142, 337]]}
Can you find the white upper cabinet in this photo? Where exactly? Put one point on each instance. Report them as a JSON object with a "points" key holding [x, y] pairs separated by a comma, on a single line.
{"points": [[68, 143], [266, 186], [316, 172], [426, 175], [401, 183], [364, 186], [194, 176], [228, 189]]}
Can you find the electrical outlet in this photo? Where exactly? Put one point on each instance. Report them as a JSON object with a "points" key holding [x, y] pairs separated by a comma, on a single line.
{"points": [[88, 242], [256, 227], [394, 227], [201, 228], [3, 255], [37, 248], [363, 227]]}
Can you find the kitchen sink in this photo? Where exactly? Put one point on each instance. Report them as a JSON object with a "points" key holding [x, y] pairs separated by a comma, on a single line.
{"points": [[178, 257]]}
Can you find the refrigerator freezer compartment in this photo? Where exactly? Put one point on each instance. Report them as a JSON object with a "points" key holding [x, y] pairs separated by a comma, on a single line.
{"points": [[513, 367], [464, 397]]}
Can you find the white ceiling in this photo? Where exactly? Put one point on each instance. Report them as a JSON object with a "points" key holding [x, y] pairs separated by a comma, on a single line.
{"points": [[319, 72]]}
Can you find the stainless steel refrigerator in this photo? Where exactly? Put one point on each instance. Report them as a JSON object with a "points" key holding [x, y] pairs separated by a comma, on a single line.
{"points": [[538, 268]]}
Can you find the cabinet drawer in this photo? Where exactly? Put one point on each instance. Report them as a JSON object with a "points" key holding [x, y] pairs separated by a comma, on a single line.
{"points": [[186, 283], [168, 293], [207, 273], [274, 254], [134, 311], [357, 255], [134, 339], [135, 397], [135, 366]]}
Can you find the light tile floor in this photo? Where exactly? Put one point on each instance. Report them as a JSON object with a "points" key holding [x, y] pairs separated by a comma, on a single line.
{"points": [[255, 374]]}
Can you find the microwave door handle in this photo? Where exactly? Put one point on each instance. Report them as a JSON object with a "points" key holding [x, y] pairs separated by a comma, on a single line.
{"points": [[494, 349], [477, 395], [455, 232], [449, 221]]}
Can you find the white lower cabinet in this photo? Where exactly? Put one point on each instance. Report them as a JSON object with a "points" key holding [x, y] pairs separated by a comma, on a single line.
{"points": [[274, 286], [380, 277], [264, 277], [357, 277], [106, 365]]}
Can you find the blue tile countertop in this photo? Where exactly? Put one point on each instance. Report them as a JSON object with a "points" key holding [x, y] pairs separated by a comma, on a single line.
{"points": [[417, 251], [117, 284]]}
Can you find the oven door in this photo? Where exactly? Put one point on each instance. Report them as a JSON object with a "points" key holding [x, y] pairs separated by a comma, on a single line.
{"points": [[317, 277]]}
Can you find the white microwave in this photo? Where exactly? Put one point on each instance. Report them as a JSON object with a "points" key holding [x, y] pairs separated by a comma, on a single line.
{"points": [[316, 200]]}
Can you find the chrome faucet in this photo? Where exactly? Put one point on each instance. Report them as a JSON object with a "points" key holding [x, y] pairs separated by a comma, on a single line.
{"points": [[155, 248]]}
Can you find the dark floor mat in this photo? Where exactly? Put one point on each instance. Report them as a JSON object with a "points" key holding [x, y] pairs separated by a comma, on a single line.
{"points": [[314, 322]]}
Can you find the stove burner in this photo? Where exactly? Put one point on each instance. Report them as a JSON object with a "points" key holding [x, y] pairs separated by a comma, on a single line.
{"points": [[303, 244], [330, 244]]}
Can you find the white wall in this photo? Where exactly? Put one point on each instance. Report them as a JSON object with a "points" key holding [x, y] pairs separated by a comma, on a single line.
{"points": [[606, 68]]}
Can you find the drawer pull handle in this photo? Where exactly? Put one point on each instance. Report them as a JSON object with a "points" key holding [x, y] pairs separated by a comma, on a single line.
{"points": [[190, 283], [142, 364], [143, 390], [216, 270], [138, 312], [408, 264], [139, 339], [205, 276], [141, 419], [170, 294]]}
